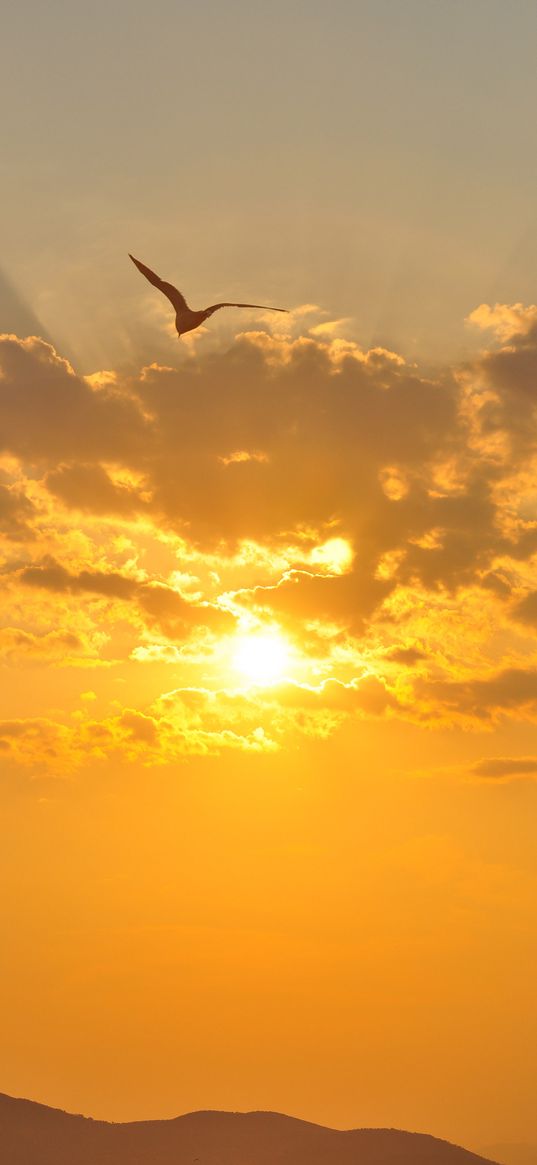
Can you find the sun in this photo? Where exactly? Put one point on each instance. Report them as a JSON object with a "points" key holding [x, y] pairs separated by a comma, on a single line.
{"points": [[262, 657]]}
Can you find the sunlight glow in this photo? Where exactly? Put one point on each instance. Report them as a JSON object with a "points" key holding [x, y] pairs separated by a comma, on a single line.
{"points": [[336, 554], [262, 657]]}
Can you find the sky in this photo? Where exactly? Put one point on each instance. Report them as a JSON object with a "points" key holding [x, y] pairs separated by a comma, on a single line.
{"points": [[269, 603]]}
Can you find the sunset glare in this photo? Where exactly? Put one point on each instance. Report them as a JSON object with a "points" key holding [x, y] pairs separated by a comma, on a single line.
{"points": [[262, 657]]}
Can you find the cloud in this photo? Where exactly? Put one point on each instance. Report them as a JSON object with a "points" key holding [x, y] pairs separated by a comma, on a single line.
{"points": [[51, 576], [503, 767], [302, 595], [526, 609], [192, 722], [90, 488], [510, 691], [179, 431], [16, 513], [506, 320], [49, 414], [379, 518], [329, 328], [38, 743], [408, 656], [161, 604], [15, 643]]}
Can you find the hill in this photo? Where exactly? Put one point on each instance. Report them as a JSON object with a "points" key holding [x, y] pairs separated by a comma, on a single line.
{"points": [[33, 1134]]}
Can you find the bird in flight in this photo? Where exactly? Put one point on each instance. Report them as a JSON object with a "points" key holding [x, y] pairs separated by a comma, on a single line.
{"points": [[186, 319]]}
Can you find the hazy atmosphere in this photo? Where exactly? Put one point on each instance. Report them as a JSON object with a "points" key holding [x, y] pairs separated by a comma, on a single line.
{"points": [[268, 734]]}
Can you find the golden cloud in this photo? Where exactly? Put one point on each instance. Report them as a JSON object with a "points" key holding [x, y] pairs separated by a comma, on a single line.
{"points": [[375, 517], [506, 320]]}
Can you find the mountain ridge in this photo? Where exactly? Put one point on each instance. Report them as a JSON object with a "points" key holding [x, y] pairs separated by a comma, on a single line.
{"points": [[32, 1133]]}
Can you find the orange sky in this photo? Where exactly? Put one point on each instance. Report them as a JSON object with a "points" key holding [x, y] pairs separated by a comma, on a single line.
{"points": [[268, 735], [268, 729]]}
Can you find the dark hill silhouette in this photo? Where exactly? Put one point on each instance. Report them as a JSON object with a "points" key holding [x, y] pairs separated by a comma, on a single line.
{"points": [[32, 1134]]}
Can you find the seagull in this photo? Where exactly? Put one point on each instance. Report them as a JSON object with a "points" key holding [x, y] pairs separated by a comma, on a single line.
{"points": [[186, 319]]}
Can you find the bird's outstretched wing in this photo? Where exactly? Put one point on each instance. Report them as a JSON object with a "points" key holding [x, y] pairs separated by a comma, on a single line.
{"points": [[175, 297], [261, 306]]}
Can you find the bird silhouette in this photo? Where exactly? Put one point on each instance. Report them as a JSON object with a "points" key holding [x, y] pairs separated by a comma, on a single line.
{"points": [[186, 319]]}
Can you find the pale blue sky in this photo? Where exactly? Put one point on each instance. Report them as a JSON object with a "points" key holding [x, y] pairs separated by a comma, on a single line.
{"points": [[374, 157]]}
